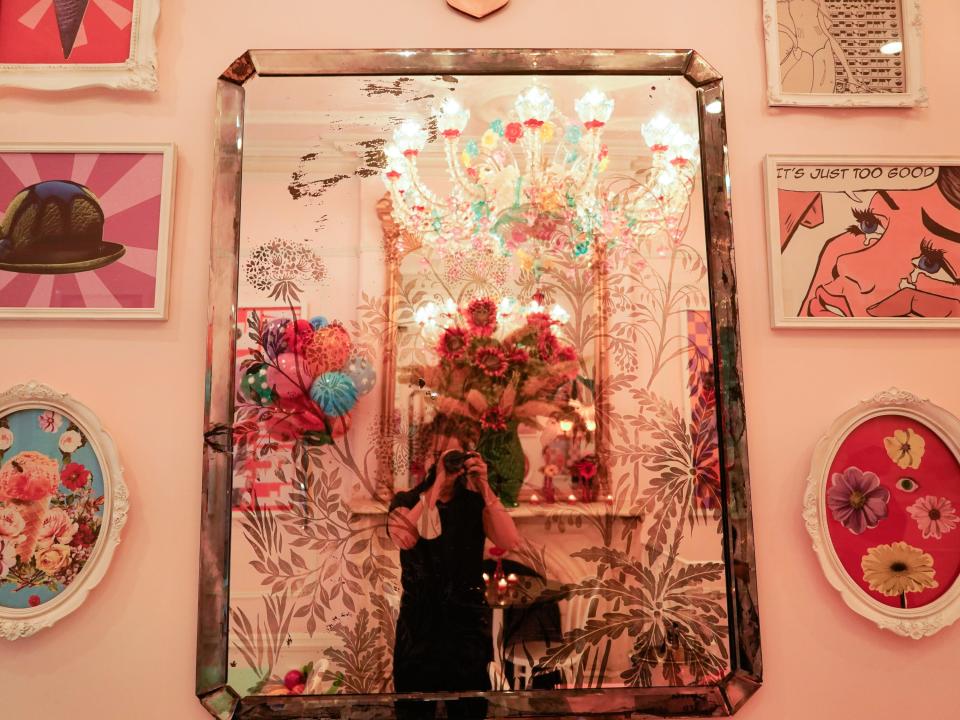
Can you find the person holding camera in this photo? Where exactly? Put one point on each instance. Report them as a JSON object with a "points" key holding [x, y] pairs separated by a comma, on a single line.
{"points": [[443, 638]]}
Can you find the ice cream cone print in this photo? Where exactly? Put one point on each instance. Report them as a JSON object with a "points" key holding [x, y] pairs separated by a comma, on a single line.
{"points": [[69, 16], [28, 481], [33, 513]]}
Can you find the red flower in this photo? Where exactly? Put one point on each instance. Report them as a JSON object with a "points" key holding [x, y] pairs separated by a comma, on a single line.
{"points": [[74, 476], [492, 419], [491, 361], [34, 600], [517, 355], [297, 336], [541, 321], [481, 315], [453, 343], [547, 346], [585, 469], [84, 536], [566, 353], [513, 131]]}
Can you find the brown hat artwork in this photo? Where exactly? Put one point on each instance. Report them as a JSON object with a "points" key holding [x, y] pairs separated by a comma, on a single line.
{"points": [[55, 227]]}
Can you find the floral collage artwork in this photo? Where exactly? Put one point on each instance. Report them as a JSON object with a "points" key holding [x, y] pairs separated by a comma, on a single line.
{"points": [[51, 506], [893, 507]]}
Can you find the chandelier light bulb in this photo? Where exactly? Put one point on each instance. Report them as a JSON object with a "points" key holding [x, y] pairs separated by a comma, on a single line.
{"points": [[452, 118], [594, 109], [410, 137], [534, 106]]}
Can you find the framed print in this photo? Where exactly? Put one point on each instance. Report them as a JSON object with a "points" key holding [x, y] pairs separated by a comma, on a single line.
{"points": [[63, 504], [881, 507], [474, 424], [85, 230], [860, 242], [843, 53], [61, 44]]}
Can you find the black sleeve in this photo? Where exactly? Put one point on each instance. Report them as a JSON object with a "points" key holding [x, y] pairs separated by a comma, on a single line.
{"points": [[405, 499]]}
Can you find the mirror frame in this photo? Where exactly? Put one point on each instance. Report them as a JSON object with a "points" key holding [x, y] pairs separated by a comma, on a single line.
{"points": [[722, 698]]}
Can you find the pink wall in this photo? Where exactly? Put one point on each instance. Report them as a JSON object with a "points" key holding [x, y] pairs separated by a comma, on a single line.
{"points": [[129, 651]]}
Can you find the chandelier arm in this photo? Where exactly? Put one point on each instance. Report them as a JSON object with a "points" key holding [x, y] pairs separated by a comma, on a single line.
{"points": [[456, 172]]}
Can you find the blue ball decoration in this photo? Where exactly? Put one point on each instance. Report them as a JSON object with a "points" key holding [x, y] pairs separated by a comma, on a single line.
{"points": [[272, 338], [335, 393], [318, 322], [362, 373]]}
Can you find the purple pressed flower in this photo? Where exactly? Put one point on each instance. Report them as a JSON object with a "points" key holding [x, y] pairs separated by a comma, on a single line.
{"points": [[856, 499]]}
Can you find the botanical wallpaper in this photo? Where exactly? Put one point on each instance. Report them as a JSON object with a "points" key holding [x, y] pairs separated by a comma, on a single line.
{"points": [[314, 590]]}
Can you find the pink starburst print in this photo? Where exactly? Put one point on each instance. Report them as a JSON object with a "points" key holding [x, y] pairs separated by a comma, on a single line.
{"points": [[128, 187], [65, 31]]}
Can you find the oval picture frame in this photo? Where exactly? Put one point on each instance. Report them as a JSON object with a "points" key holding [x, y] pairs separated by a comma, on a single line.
{"points": [[897, 496], [94, 540]]}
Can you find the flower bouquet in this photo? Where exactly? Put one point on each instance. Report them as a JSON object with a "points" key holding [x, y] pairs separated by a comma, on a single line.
{"points": [[500, 367]]}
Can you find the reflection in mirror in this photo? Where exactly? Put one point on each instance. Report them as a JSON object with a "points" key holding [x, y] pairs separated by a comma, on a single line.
{"points": [[475, 426]]}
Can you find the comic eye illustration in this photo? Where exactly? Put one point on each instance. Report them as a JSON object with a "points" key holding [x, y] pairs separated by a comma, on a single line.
{"points": [[907, 484], [932, 262]]}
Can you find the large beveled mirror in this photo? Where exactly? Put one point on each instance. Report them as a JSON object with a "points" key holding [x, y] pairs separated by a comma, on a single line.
{"points": [[475, 439]]}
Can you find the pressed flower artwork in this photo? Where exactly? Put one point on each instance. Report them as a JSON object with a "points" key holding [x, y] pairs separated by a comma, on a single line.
{"points": [[51, 506], [893, 532]]}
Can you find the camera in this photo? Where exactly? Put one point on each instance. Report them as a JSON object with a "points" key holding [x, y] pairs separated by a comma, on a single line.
{"points": [[453, 462]]}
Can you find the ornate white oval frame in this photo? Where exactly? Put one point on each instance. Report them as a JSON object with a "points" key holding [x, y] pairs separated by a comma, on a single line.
{"points": [[137, 72], [911, 622], [17, 623]]}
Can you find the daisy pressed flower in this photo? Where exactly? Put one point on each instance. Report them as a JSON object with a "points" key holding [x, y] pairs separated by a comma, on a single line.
{"points": [[935, 516], [453, 343], [897, 569], [905, 448], [856, 499], [491, 361]]}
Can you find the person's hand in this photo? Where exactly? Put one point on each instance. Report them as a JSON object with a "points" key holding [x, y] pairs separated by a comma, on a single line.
{"points": [[930, 298], [477, 476]]}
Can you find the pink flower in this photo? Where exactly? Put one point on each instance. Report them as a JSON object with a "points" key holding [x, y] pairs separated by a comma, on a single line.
{"points": [[34, 600], [50, 421], [547, 347], [11, 524], [856, 499], [935, 516], [491, 361], [71, 441], [566, 353], [74, 476], [481, 316], [541, 321], [57, 527], [6, 438], [513, 131], [8, 556], [453, 344]]}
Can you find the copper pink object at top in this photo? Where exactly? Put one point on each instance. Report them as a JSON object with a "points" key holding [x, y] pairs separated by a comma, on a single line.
{"points": [[69, 16], [477, 8]]}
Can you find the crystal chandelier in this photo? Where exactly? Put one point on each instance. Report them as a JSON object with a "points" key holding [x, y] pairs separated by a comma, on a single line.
{"points": [[535, 183]]}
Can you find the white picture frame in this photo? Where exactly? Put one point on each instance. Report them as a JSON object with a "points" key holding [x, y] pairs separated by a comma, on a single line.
{"points": [[138, 72], [821, 55], [912, 622], [798, 237], [162, 186], [18, 623]]}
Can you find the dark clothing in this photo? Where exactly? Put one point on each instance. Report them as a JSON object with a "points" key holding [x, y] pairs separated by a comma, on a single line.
{"points": [[444, 638]]}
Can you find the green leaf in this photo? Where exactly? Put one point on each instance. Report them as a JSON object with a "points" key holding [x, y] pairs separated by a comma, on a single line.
{"points": [[315, 438]]}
